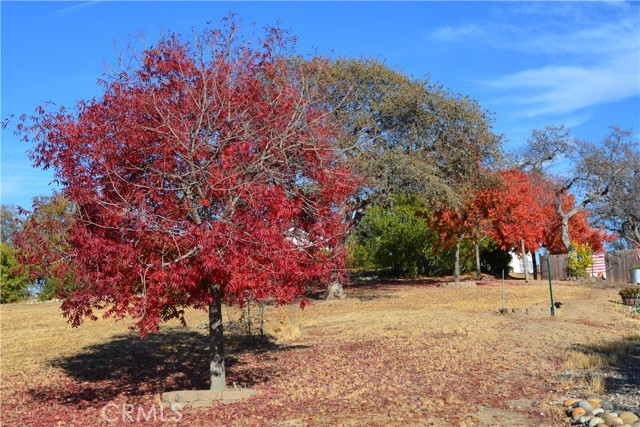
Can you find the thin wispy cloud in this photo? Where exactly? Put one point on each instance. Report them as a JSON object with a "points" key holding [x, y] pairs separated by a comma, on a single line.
{"points": [[534, 39], [75, 8], [565, 90], [459, 33], [588, 55]]}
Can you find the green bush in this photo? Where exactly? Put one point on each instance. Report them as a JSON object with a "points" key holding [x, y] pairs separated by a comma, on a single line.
{"points": [[13, 280], [397, 241], [391, 239], [580, 260]]}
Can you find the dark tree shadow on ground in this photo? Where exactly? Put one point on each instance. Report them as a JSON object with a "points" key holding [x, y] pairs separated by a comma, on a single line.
{"points": [[383, 288], [624, 376], [175, 359]]}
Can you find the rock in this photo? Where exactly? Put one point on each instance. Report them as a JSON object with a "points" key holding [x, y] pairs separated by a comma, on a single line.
{"points": [[586, 406], [597, 411], [606, 406], [595, 421], [202, 404], [612, 420], [594, 402], [570, 402], [628, 417], [578, 412]]}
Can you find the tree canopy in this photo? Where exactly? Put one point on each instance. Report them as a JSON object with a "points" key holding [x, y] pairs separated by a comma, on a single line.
{"points": [[405, 135], [11, 223], [618, 210], [44, 243], [206, 173], [593, 172]]}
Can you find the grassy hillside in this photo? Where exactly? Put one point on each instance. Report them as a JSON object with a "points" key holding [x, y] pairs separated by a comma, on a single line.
{"points": [[395, 353]]}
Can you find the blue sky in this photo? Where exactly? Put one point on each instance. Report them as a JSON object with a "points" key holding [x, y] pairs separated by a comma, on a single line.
{"points": [[531, 63]]}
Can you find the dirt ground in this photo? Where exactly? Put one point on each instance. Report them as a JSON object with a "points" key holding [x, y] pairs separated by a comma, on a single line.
{"points": [[395, 353]]}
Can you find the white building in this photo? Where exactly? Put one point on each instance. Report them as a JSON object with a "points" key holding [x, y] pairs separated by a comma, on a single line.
{"points": [[517, 266]]}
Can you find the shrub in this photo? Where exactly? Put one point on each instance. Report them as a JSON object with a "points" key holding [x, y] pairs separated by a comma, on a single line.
{"points": [[392, 239], [13, 279], [630, 292], [580, 260], [397, 241]]}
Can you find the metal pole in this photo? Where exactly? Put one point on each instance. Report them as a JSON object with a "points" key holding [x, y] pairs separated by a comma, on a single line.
{"points": [[553, 308], [502, 291]]}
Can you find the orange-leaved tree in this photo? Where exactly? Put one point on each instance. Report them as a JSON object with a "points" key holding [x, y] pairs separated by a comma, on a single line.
{"points": [[512, 208]]}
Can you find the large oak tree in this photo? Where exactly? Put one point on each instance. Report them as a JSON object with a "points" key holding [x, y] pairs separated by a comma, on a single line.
{"points": [[406, 135], [204, 174]]}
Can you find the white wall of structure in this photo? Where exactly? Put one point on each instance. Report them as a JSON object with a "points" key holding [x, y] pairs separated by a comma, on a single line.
{"points": [[517, 266]]}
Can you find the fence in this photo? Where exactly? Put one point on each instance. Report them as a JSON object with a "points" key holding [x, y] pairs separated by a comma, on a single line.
{"points": [[617, 264], [558, 264]]}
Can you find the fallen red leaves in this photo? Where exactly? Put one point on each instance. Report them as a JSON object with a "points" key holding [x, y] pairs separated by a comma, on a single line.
{"points": [[401, 356]]}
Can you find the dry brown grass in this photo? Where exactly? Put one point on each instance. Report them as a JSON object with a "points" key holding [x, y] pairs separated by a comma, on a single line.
{"points": [[596, 383], [586, 360], [391, 354]]}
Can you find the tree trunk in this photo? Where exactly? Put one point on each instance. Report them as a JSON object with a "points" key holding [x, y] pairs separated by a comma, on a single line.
{"points": [[216, 340], [535, 265], [478, 272], [564, 233], [335, 290], [456, 271], [566, 240], [261, 318], [249, 315], [524, 262]]}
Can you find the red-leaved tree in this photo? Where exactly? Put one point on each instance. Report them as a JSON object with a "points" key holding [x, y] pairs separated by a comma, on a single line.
{"points": [[512, 207], [206, 174], [579, 228], [460, 223]]}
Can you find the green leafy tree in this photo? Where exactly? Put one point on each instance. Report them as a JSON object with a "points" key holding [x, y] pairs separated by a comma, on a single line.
{"points": [[393, 239], [14, 281], [400, 242], [405, 135], [10, 222]]}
